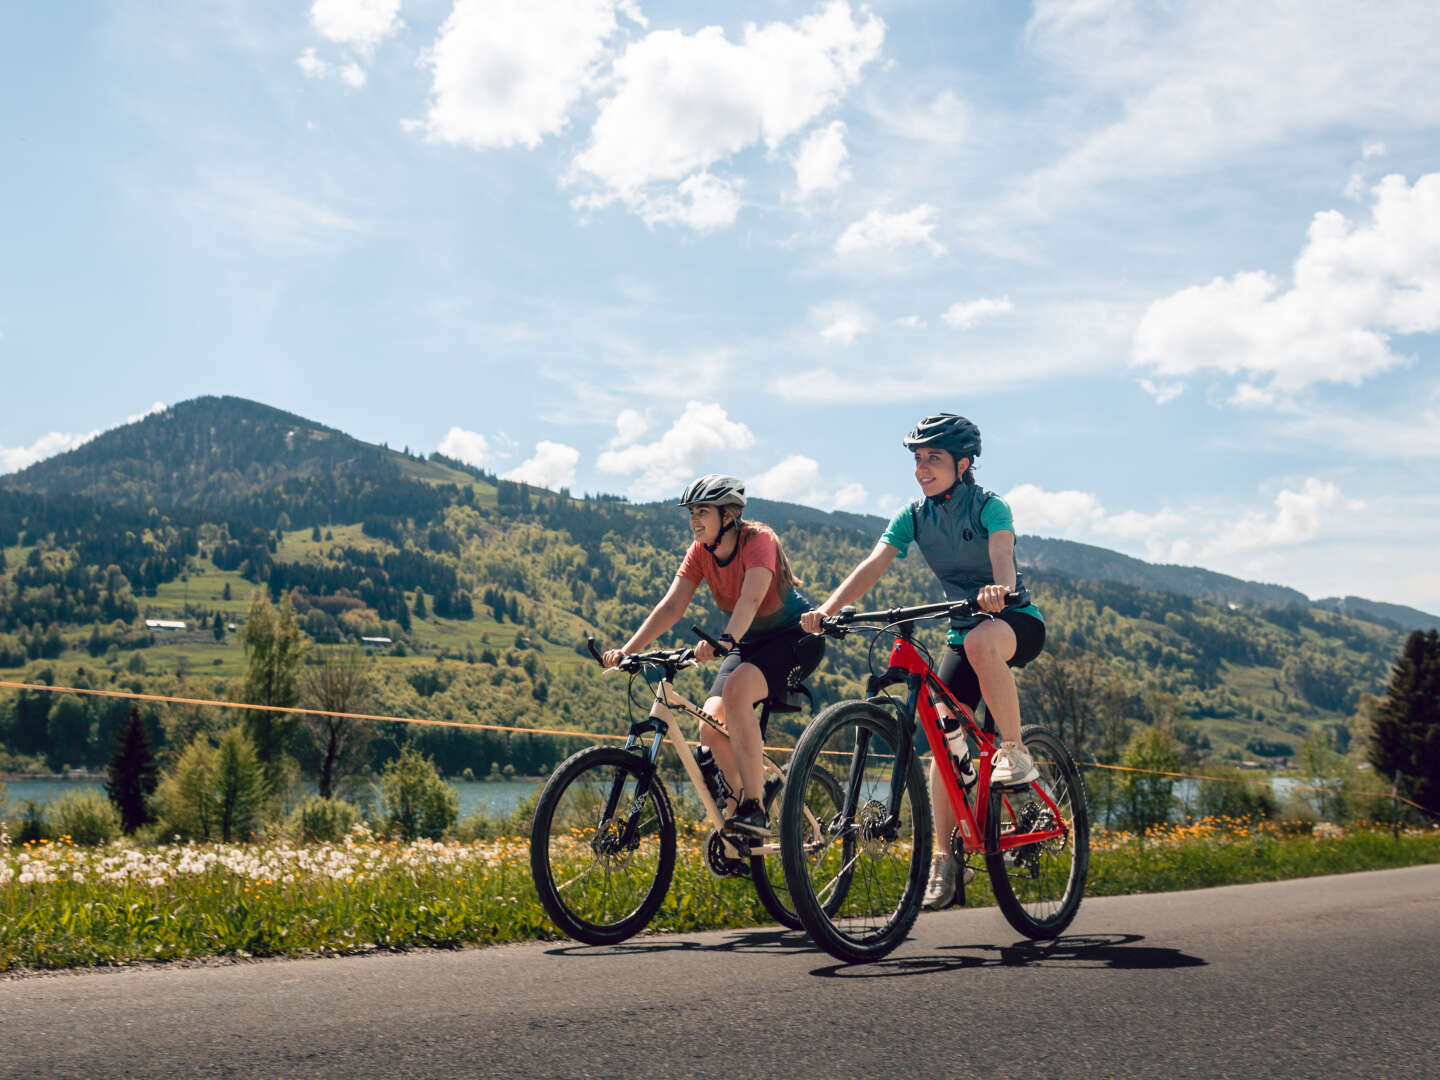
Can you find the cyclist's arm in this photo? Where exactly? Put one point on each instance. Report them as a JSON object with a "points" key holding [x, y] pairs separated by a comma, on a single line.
{"points": [[665, 615], [860, 581], [752, 594], [1002, 569]]}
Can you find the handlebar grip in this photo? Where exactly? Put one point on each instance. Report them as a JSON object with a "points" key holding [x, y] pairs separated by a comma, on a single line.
{"points": [[590, 644]]}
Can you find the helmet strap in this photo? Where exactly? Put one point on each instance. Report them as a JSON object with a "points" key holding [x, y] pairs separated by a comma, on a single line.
{"points": [[719, 538]]}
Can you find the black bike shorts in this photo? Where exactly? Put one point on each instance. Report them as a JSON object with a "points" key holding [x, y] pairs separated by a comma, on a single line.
{"points": [[959, 677], [785, 658]]}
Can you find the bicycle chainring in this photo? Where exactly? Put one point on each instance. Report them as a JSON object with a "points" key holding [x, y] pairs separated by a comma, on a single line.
{"points": [[719, 863]]}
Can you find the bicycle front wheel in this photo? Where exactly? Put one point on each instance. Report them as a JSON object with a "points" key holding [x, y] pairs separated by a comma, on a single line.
{"points": [[1039, 886], [822, 802], [602, 861], [856, 884]]}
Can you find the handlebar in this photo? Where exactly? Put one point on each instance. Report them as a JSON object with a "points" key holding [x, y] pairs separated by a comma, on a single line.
{"points": [[838, 625], [674, 658]]}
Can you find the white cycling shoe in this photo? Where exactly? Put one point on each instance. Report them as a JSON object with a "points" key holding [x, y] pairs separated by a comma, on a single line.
{"points": [[940, 889], [1011, 765]]}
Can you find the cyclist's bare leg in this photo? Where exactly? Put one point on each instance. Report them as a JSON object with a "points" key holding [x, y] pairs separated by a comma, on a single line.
{"points": [[724, 753], [941, 812], [745, 686], [989, 647]]}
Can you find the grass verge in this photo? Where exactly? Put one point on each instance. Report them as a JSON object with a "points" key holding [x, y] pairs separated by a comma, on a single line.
{"points": [[66, 906]]}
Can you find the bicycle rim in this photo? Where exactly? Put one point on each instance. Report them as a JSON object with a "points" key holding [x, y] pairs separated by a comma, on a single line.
{"points": [[601, 877], [1038, 887], [823, 801], [857, 887]]}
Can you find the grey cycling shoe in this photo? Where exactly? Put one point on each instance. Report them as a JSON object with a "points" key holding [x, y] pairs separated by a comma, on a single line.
{"points": [[940, 889]]}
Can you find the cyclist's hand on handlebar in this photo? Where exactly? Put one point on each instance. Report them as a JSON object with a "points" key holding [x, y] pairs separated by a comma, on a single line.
{"points": [[991, 598], [704, 652], [810, 621], [612, 657]]}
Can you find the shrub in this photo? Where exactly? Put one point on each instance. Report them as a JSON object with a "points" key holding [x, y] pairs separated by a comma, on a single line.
{"points": [[86, 816], [1233, 794], [417, 802], [318, 819]]}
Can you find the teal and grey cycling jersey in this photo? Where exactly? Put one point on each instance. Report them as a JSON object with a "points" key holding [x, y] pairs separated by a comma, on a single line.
{"points": [[953, 532]]}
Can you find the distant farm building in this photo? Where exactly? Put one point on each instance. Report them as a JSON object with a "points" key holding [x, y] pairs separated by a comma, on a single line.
{"points": [[374, 641], [164, 624]]}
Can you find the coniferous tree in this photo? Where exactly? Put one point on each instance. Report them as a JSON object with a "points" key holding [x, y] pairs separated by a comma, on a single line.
{"points": [[132, 776], [1405, 739], [239, 786], [419, 607]]}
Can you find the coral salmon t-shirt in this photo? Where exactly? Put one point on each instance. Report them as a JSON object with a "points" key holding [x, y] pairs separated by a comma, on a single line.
{"points": [[779, 608]]}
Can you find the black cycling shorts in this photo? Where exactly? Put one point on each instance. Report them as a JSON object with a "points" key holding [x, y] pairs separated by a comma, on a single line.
{"points": [[785, 658], [959, 677]]}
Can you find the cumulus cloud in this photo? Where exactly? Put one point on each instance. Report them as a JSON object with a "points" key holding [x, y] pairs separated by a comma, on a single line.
{"points": [[351, 73], [552, 467], [703, 202], [841, 323], [629, 426], [966, 314], [684, 102], [508, 72], [798, 479], [468, 446], [1354, 285], [1295, 518], [820, 161], [360, 24], [1182, 85], [701, 432], [881, 230], [15, 458]]}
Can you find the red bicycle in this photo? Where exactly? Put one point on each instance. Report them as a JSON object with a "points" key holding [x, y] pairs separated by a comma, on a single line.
{"points": [[1033, 838]]}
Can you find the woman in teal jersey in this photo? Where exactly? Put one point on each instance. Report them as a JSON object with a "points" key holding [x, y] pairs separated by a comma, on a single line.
{"points": [[968, 538]]}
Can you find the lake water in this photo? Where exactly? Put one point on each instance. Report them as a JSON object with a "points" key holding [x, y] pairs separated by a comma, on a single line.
{"points": [[493, 798]]}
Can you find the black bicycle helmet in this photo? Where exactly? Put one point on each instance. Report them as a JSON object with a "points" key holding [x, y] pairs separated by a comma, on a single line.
{"points": [[714, 489], [946, 431]]}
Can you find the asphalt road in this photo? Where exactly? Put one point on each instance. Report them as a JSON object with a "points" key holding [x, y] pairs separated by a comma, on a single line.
{"points": [[1324, 977]]}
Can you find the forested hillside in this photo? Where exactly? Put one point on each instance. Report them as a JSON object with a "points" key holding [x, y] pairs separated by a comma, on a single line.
{"points": [[485, 590]]}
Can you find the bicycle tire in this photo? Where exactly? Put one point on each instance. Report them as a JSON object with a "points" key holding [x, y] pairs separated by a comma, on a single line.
{"points": [[1039, 887], [875, 867], [617, 894], [767, 871]]}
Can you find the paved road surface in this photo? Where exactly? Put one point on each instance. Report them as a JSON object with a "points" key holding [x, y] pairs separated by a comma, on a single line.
{"points": [[1323, 977]]}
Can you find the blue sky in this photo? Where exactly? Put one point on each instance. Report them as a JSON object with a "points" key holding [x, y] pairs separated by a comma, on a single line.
{"points": [[1180, 262]]}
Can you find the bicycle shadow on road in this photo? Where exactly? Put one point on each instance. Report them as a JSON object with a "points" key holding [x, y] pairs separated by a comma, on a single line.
{"points": [[772, 941], [1113, 951]]}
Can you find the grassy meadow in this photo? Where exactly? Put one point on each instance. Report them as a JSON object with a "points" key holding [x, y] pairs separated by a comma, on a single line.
{"points": [[66, 906]]}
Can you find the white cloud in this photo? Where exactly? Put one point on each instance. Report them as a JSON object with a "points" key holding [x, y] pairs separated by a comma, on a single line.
{"points": [[1372, 150], [1353, 286], [911, 322], [352, 75], [1162, 392], [879, 229], [360, 24], [840, 323], [702, 201], [1297, 518], [312, 65], [820, 161], [701, 432], [1195, 83], [15, 458], [964, 315], [468, 446], [798, 479], [629, 426], [945, 120], [507, 72], [552, 467], [684, 102]]}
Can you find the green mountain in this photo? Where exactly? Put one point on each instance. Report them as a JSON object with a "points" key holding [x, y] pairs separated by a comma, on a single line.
{"points": [[486, 588]]}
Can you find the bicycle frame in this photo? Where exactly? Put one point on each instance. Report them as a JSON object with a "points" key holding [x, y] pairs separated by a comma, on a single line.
{"points": [[909, 666], [662, 724]]}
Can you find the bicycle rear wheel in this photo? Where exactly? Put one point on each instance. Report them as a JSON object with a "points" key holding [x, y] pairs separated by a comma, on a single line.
{"points": [[857, 885], [601, 863], [1039, 886], [822, 802]]}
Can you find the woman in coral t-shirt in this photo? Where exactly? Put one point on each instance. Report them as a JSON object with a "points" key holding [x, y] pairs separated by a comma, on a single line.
{"points": [[751, 580]]}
